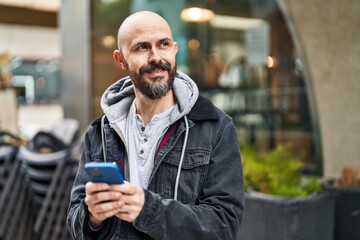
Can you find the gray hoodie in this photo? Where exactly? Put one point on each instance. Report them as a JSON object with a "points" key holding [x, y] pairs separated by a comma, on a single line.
{"points": [[117, 99]]}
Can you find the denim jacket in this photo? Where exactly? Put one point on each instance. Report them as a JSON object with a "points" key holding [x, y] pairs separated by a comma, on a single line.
{"points": [[210, 201]]}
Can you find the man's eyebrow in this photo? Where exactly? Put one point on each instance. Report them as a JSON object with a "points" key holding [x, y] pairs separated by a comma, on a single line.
{"points": [[165, 39], [140, 43], [147, 42]]}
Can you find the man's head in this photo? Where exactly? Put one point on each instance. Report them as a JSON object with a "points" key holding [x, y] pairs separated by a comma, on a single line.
{"points": [[147, 51]]}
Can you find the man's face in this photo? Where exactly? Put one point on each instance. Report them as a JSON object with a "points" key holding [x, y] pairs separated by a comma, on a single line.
{"points": [[149, 53]]}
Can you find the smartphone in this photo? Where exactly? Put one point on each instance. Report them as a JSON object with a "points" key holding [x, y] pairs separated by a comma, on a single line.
{"points": [[104, 172]]}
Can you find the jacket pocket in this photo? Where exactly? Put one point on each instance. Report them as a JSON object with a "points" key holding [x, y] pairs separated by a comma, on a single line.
{"points": [[192, 176]]}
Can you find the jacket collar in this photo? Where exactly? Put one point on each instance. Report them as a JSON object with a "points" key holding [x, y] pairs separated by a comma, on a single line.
{"points": [[203, 110]]}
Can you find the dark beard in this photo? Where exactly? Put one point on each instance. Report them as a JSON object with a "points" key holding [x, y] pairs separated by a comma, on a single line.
{"points": [[156, 90]]}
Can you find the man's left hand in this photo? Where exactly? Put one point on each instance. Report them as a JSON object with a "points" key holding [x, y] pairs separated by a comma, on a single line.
{"points": [[133, 198]]}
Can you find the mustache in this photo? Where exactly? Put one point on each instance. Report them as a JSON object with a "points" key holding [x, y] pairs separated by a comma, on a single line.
{"points": [[153, 66]]}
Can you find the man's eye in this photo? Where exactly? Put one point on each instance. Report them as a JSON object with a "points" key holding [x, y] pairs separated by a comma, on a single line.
{"points": [[141, 47], [164, 44]]}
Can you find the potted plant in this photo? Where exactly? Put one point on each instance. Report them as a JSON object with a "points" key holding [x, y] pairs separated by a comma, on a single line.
{"points": [[280, 201], [346, 191]]}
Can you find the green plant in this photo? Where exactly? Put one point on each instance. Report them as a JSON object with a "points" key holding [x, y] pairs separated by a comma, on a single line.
{"points": [[277, 173]]}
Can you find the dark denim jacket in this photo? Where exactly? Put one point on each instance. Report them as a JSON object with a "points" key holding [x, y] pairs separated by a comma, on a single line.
{"points": [[210, 196]]}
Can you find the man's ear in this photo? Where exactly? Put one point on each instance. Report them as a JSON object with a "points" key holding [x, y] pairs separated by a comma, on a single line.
{"points": [[176, 47], [119, 58]]}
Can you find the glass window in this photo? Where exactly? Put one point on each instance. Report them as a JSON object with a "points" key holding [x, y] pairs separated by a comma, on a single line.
{"points": [[245, 61]]}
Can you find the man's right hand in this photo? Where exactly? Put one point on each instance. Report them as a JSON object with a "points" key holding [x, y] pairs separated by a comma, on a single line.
{"points": [[102, 203]]}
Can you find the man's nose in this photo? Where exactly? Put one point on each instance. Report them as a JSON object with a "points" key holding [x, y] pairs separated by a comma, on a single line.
{"points": [[154, 56]]}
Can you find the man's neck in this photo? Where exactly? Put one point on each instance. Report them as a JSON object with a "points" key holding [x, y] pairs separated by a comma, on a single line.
{"points": [[148, 108]]}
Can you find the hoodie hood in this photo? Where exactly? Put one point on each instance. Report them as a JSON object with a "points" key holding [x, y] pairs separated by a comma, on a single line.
{"points": [[118, 98]]}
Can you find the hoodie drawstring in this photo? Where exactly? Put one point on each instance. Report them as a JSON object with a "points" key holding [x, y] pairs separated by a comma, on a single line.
{"points": [[103, 137], [181, 158]]}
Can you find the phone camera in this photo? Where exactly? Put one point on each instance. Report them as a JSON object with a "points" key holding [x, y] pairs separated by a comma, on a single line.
{"points": [[95, 172]]}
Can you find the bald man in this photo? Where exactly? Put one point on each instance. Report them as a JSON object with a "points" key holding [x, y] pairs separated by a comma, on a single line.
{"points": [[178, 153]]}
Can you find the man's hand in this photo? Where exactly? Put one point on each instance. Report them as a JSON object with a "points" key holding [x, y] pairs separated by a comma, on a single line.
{"points": [[102, 202], [123, 200], [132, 200]]}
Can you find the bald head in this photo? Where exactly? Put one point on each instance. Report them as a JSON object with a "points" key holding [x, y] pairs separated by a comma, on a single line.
{"points": [[141, 21], [148, 52]]}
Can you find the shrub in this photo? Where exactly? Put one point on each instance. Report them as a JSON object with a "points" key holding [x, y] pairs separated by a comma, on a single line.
{"points": [[277, 173]]}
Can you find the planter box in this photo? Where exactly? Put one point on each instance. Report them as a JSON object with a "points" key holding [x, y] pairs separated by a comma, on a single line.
{"points": [[281, 218], [347, 211]]}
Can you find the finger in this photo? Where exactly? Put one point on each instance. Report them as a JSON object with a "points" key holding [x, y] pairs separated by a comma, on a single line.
{"points": [[126, 188], [128, 213], [136, 199], [99, 197], [103, 210], [92, 187], [130, 209], [101, 216], [104, 207]]}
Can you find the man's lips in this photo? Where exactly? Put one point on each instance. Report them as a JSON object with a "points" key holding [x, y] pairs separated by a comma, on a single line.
{"points": [[156, 75], [156, 71]]}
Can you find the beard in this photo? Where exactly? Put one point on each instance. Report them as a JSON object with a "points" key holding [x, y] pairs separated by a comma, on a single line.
{"points": [[158, 89]]}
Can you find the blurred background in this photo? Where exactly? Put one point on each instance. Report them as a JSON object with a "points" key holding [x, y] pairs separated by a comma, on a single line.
{"points": [[286, 71]]}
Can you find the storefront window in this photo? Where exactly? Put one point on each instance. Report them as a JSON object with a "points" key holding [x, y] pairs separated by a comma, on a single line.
{"points": [[245, 61]]}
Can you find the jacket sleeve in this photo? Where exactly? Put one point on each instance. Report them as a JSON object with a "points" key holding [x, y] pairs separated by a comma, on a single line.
{"points": [[218, 214], [77, 216]]}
